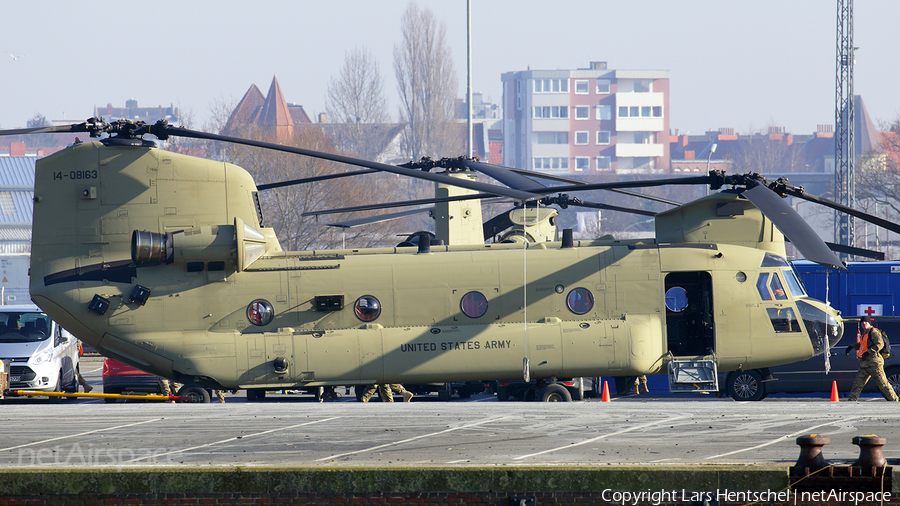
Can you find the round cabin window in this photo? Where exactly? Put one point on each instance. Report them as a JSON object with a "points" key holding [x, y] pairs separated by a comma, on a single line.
{"points": [[580, 300], [367, 308]]}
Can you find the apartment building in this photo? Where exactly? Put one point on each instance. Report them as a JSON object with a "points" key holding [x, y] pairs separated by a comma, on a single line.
{"points": [[586, 121]]}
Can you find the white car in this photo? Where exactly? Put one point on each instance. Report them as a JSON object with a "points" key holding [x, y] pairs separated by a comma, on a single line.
{"points": [[42, 356]]}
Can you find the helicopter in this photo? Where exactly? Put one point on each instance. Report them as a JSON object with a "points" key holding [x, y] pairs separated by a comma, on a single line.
{"points": [[161, 260]]}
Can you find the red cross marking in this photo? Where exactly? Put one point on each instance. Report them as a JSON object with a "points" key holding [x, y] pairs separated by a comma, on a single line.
{"points": [[869, 311]]}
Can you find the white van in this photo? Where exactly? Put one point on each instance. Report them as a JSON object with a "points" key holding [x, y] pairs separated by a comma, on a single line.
{"points": [[42, 356]]}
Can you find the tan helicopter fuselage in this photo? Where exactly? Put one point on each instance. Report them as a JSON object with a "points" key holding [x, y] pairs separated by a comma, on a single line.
{"points": [[197, 325]]}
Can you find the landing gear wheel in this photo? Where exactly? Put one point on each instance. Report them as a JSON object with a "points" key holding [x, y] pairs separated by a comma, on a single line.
{"points": [[255, 394], [502, 393], [193, 393], [554, 392], [444, 392], [746, 386]]}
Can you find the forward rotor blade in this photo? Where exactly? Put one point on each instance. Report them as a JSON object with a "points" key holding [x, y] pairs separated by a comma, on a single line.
{"points": [[377, 219], [803, 237], [628, 184], [388, 205], [167, 130], [875, 220], [313, 179]]}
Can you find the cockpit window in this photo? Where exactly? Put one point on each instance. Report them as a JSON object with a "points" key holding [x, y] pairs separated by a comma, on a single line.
{"points": [[777, 288], [783, 319], [23, 327], [790, 277], [762, 285], [771, 260]]}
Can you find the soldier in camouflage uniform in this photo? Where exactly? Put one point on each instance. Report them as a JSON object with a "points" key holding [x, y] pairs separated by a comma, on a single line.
{"points": [[871, 364], [386, 392]]}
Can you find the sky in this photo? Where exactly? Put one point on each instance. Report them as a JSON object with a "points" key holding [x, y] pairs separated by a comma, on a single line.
{"points": [[745, 64]]}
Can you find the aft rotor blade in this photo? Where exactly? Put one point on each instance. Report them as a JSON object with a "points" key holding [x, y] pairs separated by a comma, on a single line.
{"points": [[50, 129], [596, 205], [801, 235], [418, 174], [313, 179], [389, 205], [560, 179], [502, 174], [377, 219]]}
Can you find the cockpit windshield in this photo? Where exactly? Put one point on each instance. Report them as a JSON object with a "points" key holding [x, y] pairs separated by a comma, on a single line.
{"points": [[27, 327], [793, 282]]}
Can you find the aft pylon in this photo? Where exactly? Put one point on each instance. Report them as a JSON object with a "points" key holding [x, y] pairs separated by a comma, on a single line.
{"points": [[834, 392], [605, 397]]}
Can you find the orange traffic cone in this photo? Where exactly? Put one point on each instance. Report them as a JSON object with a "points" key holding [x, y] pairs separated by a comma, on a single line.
{"points": [[605, 397], [834, 392]]}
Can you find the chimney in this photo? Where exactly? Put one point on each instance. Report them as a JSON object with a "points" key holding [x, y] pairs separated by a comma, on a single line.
{"points": [[323, 118]]}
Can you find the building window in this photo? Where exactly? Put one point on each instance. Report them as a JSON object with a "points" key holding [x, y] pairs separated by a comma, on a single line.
{"points": [[602, 86], [645, 111], [634, 111], [582, 163], [581, 138], [643, 137], [582, 112], [603, 163], [603, 112], [551, 111], [602, 137], [642, 86], [550, 163], [581, 87], [551, 85], [549, 137], [657, 111], [623, 112]]}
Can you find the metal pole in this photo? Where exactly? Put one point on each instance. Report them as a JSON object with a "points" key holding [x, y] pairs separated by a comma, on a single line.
{"points": [[469, 75]]}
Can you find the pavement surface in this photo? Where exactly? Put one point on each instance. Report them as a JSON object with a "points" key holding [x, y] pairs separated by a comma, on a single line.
{"points": [[296, 430]]}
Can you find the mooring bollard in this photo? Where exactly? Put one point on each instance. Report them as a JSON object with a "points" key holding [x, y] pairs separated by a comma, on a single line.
{"points": [[811, 458], [870, 455]]}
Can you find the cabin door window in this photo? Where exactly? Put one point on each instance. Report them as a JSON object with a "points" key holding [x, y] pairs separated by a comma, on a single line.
{"points": [[689, 313]]}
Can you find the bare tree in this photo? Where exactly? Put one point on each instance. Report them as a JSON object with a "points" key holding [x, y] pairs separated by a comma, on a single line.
{"points": [[426, 81], [878, 187], [283, 207], [356, 99]]}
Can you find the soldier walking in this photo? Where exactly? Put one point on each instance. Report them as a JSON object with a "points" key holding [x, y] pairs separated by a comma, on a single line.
{"points": [[386, 392], [871, 363]]}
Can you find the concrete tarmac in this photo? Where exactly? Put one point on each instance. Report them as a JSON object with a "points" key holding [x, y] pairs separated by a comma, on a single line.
{"points": [[287, 430]]}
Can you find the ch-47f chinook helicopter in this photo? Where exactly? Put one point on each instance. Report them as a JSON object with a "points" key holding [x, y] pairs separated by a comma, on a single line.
{"points": [[161, 260]]}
